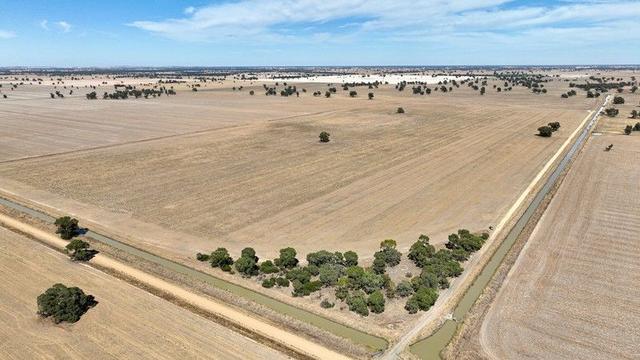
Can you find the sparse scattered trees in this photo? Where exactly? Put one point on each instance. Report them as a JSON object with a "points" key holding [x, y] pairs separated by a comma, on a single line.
{"points": [[64, 303]]}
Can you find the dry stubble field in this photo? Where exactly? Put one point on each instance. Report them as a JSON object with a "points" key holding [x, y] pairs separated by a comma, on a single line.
{"points": [[249, 171], [573, 292], [127, 323]]}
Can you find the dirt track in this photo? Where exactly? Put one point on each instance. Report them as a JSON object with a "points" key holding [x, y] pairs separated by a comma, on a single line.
{"points": [[573, 291], [269, 331]]}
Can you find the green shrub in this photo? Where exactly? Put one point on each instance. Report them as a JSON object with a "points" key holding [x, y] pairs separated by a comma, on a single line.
{"points": [[545, 131], [376, 302], [324, 136], [202, 257], [350, 259], [423, 299], [220, 257], [400, 110], [267, 267], [282, 282], [326, 304], [287, 259], [358, 304], [404, 289], [268, 283], [78, 250]]}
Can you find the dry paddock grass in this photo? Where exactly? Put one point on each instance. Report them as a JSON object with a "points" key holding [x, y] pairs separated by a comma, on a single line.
{"points": [[573, 291], [128, 323], [248, 171]]}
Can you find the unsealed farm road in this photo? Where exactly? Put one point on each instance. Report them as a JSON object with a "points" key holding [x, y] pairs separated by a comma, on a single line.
{"points": [[271, 332]]}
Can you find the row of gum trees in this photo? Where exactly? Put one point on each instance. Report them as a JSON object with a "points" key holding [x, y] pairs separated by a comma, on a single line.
{"points": [[362, 289]]}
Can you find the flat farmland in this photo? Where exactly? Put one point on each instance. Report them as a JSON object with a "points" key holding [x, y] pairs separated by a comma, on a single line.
{"points": [[450, 161], [136, 326], [573, 292]]}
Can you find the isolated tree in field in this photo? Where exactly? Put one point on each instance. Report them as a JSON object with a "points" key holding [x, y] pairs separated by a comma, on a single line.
{"points": [[554, 126], [220, 258], [252, 93], [78, 250], [635, 114], [64, 303], [353, 93], [67, 227], [400, 110], [618, 100], [545, 131], [371, 96], [324, 137], [628, 129], [612, 112]]}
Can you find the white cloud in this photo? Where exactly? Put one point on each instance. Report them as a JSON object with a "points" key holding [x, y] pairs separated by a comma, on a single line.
{"points": [[258, 20], [5, 34], [44, 24], [64, 26]]}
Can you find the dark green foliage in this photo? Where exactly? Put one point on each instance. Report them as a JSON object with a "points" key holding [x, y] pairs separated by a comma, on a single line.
{"points": [[64, 303], [220, 258], [269, 283], [324, 137], [67, 227], [326, 304], [465, 240], [251, 93], [423, 299], [635, 114], [350, 258], [379, 265], [357, 303], [618, 100], [287, 259], [92, 96], [342, 292], [545, 131], [628, 129], [247, 264], [612, 112], [388, 254], [421, 251], [400, 110], [312, 269], [353, 93], [554, 126], [282, 282], [78, 250], [299, 274], [371, 282], [305, 289], [404, 289], [636, 127], [376, 302], [322, 257], [267, 267], [202, 257], [330, 273]]}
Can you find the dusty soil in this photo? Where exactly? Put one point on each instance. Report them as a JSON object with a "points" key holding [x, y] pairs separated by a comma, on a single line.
{"points": [[228, 177], [572, 292], [138, 325]]}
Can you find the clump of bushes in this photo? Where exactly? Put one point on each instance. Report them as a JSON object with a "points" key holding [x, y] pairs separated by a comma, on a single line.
{"points": [[612, 112], [545, 131], [618, 100], [64, 303]]}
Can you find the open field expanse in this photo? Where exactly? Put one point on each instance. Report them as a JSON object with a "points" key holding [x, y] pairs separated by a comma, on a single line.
{"points": [[127, 323], [227, 177], [573, 291]]}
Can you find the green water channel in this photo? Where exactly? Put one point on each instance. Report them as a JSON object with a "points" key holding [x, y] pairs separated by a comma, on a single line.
{"points": [[359, 337], [430, 348]]}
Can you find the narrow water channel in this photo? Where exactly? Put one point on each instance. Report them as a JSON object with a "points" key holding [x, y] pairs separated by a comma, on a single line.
{"points": [[359, 337], [431, 347]]}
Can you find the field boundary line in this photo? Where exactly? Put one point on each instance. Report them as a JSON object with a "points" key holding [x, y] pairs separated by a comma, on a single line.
{"points": [[269, 331]]}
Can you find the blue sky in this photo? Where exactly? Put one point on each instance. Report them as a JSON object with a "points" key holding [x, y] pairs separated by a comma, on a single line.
{"points": [[311, 32]]}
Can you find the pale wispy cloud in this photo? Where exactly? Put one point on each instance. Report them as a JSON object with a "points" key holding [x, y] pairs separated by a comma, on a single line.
{"points": [[6, 34], [44, 24], [64, 26], [383, 19]]}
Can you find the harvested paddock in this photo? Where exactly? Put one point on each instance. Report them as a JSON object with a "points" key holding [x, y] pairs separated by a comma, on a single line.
{"points": [[573, 291], [136, 326], [451, 161]]}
